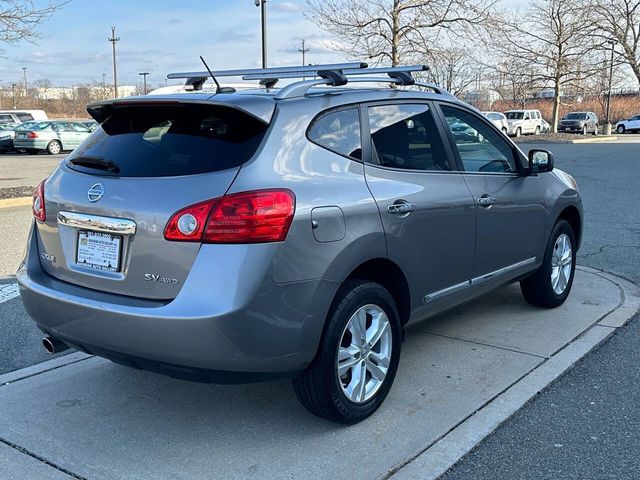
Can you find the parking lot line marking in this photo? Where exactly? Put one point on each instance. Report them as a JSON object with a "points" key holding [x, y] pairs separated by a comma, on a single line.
{"points": [[16, 202], [8, 291]]}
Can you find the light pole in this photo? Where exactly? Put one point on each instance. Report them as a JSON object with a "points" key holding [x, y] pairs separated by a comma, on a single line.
{"points": [[24, 70], [104, 76], [13, 91], [610, 83], [144, 76], [113, 41], [303, 51], [263, 19]]}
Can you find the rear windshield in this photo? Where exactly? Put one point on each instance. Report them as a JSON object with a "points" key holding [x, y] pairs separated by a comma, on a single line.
{"points": [[171, 141], [514, 115]]}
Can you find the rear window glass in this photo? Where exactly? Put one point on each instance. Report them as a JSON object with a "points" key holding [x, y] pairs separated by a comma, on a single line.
{"points": [[338, 131], [514, 115], [172, 141]]}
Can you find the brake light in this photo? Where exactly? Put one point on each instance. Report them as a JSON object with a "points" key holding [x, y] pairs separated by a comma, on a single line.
{"points": [[259, 216], [38, 203], [32, 135]]}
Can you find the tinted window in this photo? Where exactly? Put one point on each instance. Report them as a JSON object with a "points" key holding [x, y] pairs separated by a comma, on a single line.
{"points": [[25, 117], [167, 141], [514, 115], [481, 148], [406, 136], [576, 116], [339, 132]]}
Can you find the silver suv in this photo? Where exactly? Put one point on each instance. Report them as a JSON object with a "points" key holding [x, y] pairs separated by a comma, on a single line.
{"points": [[292, 232]]}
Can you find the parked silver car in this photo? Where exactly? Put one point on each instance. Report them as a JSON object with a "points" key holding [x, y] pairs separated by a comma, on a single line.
{"points": [[499, 120], [291, 232], [52, 136], [579, 122]]}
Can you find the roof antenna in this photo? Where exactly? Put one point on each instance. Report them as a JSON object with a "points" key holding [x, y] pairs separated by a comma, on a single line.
{"points": [[219, 89]]}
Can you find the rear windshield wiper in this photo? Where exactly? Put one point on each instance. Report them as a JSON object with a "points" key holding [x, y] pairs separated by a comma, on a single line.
{"points": [[95, 162]]}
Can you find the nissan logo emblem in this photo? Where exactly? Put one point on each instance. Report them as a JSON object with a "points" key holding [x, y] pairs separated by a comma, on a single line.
{"points": [[95, 192]]}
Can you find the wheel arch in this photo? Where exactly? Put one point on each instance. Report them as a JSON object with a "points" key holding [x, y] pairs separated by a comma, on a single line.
{"points": [[572, 215], [390, 276]]}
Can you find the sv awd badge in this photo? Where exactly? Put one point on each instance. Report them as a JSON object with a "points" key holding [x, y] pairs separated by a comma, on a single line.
{"points": [[152, 277]]}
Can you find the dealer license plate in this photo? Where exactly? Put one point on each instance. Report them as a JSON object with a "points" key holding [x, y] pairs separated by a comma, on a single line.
{"points": [[100, 251]]}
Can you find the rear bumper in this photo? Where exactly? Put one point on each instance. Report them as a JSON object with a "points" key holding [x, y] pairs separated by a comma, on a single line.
{"points": [[272, 331]]}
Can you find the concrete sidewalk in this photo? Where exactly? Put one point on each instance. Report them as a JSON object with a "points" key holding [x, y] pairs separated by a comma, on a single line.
{"points": [[460, 376]]}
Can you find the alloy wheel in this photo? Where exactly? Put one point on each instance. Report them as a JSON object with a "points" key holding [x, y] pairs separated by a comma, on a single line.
{"points": [[364, 353], [561, 263]]}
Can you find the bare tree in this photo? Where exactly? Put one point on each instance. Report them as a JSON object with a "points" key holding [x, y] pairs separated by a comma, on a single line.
{"points": [[453, 68], [551, 45], [20, 18], [514, 82], [395, 31], [619, 20]]}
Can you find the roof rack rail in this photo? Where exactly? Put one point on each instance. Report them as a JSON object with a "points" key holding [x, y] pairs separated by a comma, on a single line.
{"points": [[334, 75]]}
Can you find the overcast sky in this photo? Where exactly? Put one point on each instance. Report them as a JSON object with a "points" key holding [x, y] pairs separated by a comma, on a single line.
{"points": [[160, 36]]}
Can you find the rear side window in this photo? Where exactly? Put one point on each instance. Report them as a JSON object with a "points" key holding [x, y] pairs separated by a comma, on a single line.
{"points": [[154, 141], [25, 117], [338, 131], [405, 136]]}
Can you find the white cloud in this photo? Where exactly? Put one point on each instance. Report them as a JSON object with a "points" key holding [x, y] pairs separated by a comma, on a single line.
{"points": [[287, 7]]}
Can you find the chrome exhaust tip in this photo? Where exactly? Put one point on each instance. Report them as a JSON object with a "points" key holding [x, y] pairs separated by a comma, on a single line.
{"points": [[53, 345]]}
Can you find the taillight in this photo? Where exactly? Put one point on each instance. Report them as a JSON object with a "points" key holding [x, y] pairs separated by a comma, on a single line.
{"points": [[38, 203], [32, 135], [248, 217]]}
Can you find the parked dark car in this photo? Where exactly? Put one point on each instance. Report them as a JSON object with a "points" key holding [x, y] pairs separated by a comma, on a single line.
{"points": [[579, 122]]}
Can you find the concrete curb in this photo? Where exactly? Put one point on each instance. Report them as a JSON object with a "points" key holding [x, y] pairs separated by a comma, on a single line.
{"points": [[598, 139], [43, 367], [15, 202], [445, 452]]}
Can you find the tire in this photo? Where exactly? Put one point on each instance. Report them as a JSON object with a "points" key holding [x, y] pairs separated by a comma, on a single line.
{"points": [[54, 147], [584, 130], [538, 289], [595, 130], [518, 132], [320, 389], [620, 129]]}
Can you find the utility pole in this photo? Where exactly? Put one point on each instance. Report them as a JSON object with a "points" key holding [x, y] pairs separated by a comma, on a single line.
{"points": [[24, 70], [13, 91], [113, 41], [104, 76], [144, 75], [610, 84], [263, 16], [303, 51]]}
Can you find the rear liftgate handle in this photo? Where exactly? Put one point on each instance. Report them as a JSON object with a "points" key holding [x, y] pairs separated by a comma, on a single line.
{"points": [[486, 200]]}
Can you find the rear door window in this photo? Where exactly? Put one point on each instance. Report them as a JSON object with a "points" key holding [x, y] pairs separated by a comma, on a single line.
{"points": [[338, 131], [406, 136], [160, 141]]}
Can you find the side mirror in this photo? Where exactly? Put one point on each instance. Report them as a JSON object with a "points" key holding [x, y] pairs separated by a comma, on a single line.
{"points": [[540, 161]]}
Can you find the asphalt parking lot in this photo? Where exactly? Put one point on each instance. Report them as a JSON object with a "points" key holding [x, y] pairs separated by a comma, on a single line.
{"points": [[461, 375]]}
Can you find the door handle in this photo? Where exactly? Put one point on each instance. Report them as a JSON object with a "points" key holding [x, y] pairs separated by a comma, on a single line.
{"points": [[486, 200], [401, 208]]}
